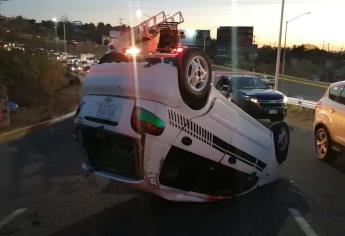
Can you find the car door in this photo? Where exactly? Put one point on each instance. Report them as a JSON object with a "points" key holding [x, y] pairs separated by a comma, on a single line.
{"points": [[333, 110], [339, 119]]}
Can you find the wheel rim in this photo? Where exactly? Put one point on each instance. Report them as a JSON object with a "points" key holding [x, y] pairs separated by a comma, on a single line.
{"points": [[321, 142], [283, 140], [197, 73]]}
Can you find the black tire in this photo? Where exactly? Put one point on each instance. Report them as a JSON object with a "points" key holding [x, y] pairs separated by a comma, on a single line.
{"points": [[323, 145], [277, 118], [281, 135], [195, 96]]}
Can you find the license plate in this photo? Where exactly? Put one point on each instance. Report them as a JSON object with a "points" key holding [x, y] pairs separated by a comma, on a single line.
{"points": [[272, 112], [106, 111]]}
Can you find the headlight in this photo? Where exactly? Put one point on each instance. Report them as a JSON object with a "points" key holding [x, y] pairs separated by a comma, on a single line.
{"points": [[251, 99], [254, 100], [286, 99]]}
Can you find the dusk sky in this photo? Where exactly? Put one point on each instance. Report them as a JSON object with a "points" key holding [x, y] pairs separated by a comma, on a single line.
{"points": [[324, 25]]}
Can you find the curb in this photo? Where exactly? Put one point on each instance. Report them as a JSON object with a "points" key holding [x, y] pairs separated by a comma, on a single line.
{"points": [[11, 135]]}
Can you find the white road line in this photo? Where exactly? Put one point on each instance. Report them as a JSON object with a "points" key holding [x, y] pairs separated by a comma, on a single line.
{"points": [[303, 224], [12, 216]]}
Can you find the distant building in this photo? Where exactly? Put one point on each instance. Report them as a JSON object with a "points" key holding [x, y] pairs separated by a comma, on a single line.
{"points": [[236, 43]]}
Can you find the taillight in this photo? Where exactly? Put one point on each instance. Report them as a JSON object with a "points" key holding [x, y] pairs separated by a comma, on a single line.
{"points": [[144, 121], [179, 50]]}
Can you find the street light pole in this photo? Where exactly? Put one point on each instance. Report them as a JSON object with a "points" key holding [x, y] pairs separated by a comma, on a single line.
{"points": [[279, 47], [286, 26], [56, 35], [64, 19], [64, 36], [283, 67]]}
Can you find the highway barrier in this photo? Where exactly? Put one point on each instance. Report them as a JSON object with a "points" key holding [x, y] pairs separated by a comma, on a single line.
{"points": [[301, 102]]}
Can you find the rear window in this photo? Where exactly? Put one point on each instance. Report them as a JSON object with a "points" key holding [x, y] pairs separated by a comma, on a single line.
{"points": [[334, 92]]}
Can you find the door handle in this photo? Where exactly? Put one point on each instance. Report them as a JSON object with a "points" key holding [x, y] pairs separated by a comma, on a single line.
{"points": [[332, 110]]}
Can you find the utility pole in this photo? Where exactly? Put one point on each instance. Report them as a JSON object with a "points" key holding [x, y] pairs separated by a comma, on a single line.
{"points": [[279, 48]]}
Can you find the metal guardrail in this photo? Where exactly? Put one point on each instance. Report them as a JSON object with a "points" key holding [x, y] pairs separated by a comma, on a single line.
{"points": [[301, 102]]}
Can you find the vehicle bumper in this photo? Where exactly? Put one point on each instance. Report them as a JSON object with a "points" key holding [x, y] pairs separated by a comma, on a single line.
{"points": [[265, 112]]}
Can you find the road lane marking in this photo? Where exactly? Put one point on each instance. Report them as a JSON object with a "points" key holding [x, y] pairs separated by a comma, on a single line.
{"points": [[8, 219], [302, 223]]}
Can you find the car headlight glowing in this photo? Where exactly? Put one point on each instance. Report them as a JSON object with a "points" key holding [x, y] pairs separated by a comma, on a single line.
{"points": [[286, 99], [254, 100]]}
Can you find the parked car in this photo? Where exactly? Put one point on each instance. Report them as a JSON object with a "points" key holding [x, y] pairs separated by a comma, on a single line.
{"points": [[254, 96], [268, 79], [329, 122]]}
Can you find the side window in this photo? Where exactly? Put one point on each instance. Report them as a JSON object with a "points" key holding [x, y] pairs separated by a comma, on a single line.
{"points": [[334, 92], [342, 97]]}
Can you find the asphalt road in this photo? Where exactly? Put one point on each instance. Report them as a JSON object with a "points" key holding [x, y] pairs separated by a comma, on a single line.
{"points": [[42, 174], [307, 92]]}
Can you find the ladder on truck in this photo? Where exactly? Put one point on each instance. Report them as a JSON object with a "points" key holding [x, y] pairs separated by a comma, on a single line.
{"points": [[161, 24], [145, 34], [155, 23]]}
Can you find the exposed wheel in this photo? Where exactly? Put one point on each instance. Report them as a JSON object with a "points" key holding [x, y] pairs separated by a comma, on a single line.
{"points": [[323, 145], [195, 75], [281, 135], [277, 118]]}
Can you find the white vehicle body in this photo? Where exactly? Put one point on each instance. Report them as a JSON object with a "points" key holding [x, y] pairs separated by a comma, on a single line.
{"points": [[212, 153]]}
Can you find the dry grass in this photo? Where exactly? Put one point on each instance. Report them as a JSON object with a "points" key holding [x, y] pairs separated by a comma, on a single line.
{"points": [[61, 102]]}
